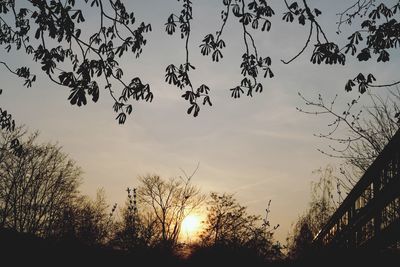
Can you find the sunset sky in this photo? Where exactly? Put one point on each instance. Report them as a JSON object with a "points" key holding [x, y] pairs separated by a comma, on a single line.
{"points": [[259, 148]]}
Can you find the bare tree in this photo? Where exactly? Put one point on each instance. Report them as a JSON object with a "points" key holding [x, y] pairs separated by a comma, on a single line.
{"points": [[170, 201], [35, 185], [359, 132]]}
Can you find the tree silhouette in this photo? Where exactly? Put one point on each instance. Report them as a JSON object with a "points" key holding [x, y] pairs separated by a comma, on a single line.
{"points": [[137, 229], [324, 202], [229, 225], [87, 221], [52, 33], [36, 185], [359, 132], [169, 201]]}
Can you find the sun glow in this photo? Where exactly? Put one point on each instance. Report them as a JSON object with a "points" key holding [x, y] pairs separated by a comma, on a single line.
{"points": [[190, 227]]}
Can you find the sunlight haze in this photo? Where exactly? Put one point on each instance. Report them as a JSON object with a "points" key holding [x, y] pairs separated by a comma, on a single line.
{"points": [[258, 148]]}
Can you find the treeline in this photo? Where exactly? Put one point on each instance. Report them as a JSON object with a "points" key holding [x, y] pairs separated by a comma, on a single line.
{"points": [[40, 197], [44, 218]]}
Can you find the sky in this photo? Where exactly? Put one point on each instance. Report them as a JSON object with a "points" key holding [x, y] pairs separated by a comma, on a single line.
{"points": [[258, 148]]}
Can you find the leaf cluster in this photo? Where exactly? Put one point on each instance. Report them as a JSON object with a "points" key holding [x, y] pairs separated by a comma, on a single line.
{"points": [[50, 31]]}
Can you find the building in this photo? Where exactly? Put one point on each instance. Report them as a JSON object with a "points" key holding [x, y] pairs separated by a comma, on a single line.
{"points": [[369, 217]]}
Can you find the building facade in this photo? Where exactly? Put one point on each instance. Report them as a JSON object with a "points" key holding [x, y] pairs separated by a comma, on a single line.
{"points": [[369, 216]]}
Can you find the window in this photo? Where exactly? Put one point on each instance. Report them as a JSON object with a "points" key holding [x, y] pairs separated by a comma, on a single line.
{"points": [[390, 213], [365, 197], [360, 202], [345, 219], [390, 171], [365, 233]]}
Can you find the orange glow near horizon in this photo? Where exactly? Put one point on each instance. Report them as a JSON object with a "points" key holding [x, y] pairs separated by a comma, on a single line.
{"points": [[191, 227]]}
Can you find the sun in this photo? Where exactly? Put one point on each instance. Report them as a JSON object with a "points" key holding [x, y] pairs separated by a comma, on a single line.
{"points": [[191, 226]]}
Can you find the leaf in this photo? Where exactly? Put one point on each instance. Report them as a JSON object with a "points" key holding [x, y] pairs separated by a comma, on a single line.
{"points": [[171, 78], [67, 79], [77, 96], [254, 25], [246, 18], [78, 15], [209, 38], [302, 19], [37, 34], [317, 12], [94, 92], [360, 78], [266, 25], [288, 17], [259, 88], [364, 55], [366, 23], [217, 55], [383, 56], [189, 95], [221, 44], [203, 89], [121, 118], [236, 92], [196, 110], [149, 97], [370, 78], [128, 109], [205, 49], [170, 25], [271, 74], [236, 10], [294, 6], [349, 86], [207, 100], [190, 109], [362, 87]]}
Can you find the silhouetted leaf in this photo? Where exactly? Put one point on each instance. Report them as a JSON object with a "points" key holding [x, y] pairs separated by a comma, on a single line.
{"points": [[121, 118], [349, 85], [77, 96], [302, 19], [288, 17], [364, 55]]}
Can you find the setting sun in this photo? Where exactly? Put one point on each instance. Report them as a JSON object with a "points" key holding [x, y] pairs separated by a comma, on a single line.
{"points": [[191, 226]]}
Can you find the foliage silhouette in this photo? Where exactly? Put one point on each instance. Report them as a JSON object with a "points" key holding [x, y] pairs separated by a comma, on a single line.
{"points": [[52, 32], [254, 14], [179, 76], [7, 123], [229, 226]]}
